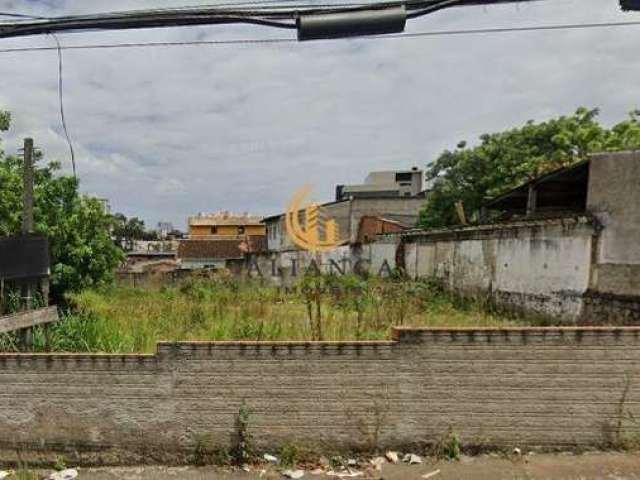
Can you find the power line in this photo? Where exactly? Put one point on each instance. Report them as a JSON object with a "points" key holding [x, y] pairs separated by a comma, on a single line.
{"points": [[436, 33], [61, 103], [274, 16], [22, 15]]}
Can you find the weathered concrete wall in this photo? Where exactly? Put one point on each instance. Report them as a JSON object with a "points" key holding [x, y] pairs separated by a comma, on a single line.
{"points": [[537, 265], [614, 198], [405, 210], [508, 387], [284, 268]]}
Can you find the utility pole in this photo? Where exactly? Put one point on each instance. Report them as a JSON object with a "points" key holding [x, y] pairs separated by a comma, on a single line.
{"points": [[27, 228], [27, 215]]}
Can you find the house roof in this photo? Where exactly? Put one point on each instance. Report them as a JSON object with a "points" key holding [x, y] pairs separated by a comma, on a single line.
{"points": [[151, 254], [565, 187], [221, 249], [278, 215], [358, 199], [372, 225]]}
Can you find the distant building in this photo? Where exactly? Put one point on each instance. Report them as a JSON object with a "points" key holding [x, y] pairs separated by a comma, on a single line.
{"points": [[198, 254], [225, 226], [218, 238], [164, 229], [149, 261], [386, 184], [371, 226], [348, 215]]}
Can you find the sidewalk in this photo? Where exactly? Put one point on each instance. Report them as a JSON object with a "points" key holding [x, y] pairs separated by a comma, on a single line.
{"points": [[589, 466]]}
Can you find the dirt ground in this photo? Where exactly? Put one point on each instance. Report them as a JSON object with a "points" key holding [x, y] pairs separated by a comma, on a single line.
{"points": [[600, 466]]}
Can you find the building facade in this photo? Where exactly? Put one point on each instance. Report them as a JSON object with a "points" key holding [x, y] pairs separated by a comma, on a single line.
{"points": [[385, 184], [224, 225], [348, 215]]}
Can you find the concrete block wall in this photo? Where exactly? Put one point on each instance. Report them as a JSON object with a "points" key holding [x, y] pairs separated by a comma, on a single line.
{"points": [[552, 388]]}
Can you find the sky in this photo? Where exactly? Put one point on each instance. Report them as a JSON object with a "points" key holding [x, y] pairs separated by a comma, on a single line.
{"points": [[165, 133]]}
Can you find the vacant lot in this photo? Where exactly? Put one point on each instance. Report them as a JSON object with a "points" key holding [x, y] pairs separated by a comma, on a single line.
{"points": [[220, 308]]}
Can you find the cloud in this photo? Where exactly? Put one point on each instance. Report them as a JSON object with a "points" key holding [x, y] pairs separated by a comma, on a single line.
{"points": [[170, 186], [168, 132]]}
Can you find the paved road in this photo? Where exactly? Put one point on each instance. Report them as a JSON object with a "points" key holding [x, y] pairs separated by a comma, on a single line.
{"points": [[590, 466]]}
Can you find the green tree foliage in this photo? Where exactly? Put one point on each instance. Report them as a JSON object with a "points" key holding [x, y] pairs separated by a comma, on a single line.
{"points": [[127, 230], [82, 251], [506, 159], [5, 118]]}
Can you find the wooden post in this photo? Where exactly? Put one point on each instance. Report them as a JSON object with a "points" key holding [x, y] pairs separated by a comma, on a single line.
{"points": [[44, 290], [27, 228]]}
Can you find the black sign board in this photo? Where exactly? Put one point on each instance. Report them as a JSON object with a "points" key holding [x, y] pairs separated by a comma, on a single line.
{"points": [[24, 256]]}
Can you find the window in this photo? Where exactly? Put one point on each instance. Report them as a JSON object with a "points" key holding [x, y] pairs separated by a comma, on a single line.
{"points": [[214, 230], [240, 230], [404, 177]]}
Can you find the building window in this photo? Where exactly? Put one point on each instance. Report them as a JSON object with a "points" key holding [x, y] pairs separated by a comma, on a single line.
{"points": [[404, 177], [214, 230], [240, 230]]}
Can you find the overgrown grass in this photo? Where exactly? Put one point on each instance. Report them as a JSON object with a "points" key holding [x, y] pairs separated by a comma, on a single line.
{"points": [[220, 308]]}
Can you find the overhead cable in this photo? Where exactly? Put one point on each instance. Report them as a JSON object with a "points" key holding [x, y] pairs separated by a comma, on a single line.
{"points": [[61, 105], [274, 16], [281, 40]]}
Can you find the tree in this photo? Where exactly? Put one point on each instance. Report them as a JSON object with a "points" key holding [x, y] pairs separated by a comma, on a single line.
{"points": [[506, 159], [82, 251], [5, 119], [127, 230]]}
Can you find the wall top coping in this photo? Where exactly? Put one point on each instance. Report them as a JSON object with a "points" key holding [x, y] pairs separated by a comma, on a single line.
{"points": [[93, 357], [283, 343], [399, 334], [490, 228], [585, 329]]}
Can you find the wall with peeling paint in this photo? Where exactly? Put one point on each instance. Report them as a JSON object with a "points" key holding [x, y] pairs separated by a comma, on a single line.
{"points": [[541, 265]]}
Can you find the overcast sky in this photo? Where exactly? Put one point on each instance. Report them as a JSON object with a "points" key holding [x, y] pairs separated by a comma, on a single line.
{"points": [[167, 132]]}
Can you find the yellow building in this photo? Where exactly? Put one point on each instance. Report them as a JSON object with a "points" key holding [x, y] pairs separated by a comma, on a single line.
{"points": [[224, 225]]}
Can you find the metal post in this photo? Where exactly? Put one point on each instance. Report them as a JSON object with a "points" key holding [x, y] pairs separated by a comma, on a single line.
{"points": [[27, 228]]}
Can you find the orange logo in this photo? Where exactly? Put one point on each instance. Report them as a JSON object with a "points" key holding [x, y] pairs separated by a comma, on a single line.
{"points": [[320, 232]]}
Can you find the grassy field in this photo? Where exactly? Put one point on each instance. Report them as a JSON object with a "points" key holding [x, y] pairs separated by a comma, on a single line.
{"points": [[326, 308]]}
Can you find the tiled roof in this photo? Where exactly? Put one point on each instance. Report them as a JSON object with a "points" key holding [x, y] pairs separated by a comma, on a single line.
{"points": [[221, 249]]}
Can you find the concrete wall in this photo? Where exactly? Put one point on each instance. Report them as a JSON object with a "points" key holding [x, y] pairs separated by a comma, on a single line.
{"points": [[522, 387], [286, 267], [614, 198], [537, 265]]}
